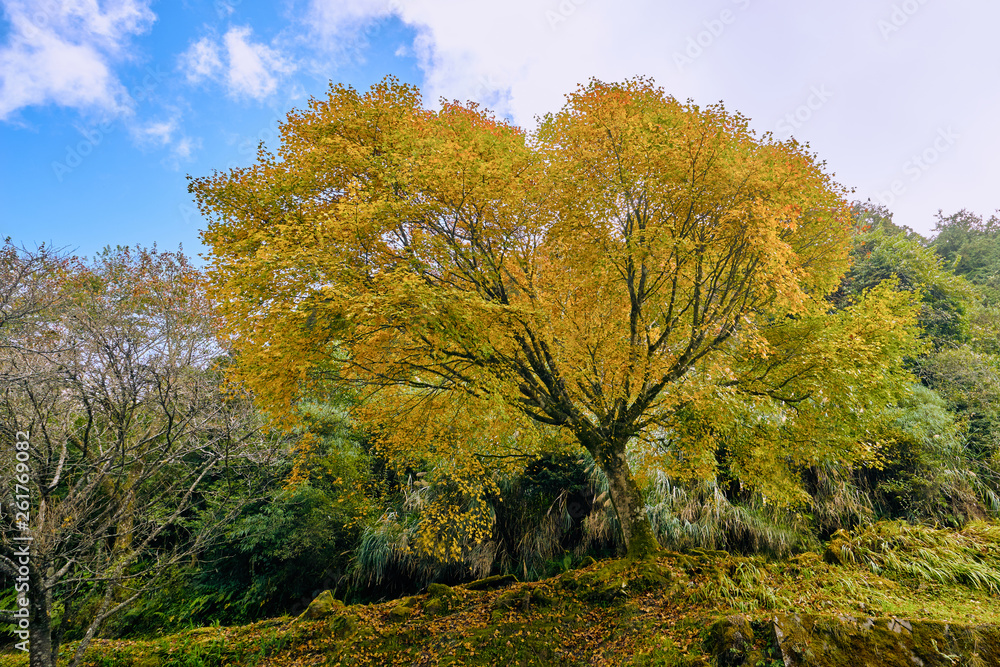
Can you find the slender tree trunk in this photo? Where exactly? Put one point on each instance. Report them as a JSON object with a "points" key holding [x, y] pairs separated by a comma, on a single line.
{"points": [[40, 653], [99, 617], [628, 502]]}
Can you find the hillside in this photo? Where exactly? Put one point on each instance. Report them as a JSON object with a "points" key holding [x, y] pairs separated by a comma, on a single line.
{"points": [[932, 603]]}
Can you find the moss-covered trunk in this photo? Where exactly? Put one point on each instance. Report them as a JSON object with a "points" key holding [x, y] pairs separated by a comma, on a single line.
{"points": [[628, 502]]}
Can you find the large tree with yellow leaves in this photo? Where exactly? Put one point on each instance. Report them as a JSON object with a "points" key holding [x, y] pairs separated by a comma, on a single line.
{"points": [[631, 263]]}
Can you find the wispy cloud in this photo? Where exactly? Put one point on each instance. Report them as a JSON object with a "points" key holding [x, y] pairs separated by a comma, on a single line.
{"points": [[63, 53], [185, 147], [166, 134], [247, 69], [155, 134], [201, 61], [182, 151]]}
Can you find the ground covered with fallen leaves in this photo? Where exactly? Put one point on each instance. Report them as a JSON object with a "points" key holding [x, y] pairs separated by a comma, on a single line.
{"points": [[654, 612]]}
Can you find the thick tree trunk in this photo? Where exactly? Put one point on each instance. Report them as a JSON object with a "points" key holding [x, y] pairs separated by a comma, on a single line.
{"points": [[628, 503]]}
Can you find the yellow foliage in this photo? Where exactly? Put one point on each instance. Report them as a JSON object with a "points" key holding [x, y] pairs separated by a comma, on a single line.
{"points": [[486, 289]]}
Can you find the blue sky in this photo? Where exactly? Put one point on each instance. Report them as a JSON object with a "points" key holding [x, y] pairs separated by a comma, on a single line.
{"points": [[106, 106]]}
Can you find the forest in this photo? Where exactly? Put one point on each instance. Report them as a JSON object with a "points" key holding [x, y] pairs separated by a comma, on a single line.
{"points": [[430, 349]]}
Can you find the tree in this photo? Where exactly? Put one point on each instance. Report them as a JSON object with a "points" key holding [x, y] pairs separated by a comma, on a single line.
{"points": [[120, 424], [882, 251], [485, 289], [28, 282], [972, 246]]}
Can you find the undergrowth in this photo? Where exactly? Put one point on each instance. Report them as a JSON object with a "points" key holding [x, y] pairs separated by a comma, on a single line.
{"points": [[898, 550]]}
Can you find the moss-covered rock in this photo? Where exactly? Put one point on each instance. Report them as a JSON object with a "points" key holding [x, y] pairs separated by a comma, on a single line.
{"points": [[440, 591], [604, 585], [730, 642], [324, 605], [523, 599], [648, 575], [343, 625], [436, 607], [442, 599], [402, 610], [831, 641]]}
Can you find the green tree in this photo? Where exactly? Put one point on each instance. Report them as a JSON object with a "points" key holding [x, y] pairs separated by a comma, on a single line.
{"points": [[881, 250], [970, 244]]}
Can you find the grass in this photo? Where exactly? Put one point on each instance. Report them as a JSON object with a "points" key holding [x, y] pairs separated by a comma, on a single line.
{"points": [[702, 517], [615, 612], [970, 557]]}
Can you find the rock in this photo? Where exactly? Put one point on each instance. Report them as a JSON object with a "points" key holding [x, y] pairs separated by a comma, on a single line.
{"points": [[602, 586], [442, 599], [522, 600], [515, 599], [324, 605], [730, 641], [649, 576], [440, 591], [830, 641], [402, 611], [437, 607], [343, 625], [898, 625]]}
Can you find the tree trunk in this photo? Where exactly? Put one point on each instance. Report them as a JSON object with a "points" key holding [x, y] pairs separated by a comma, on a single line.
{"points": [[628, 503], [40, 624]]}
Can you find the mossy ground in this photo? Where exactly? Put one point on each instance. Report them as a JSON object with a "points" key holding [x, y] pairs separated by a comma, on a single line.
{"points": [[654, 612]]}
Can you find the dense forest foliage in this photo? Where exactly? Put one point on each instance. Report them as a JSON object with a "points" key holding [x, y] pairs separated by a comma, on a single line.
{"points": [[165, 493], [320, 508]]}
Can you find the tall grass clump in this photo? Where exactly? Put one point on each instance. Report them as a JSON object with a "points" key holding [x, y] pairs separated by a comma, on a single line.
{"points": [[913, 553], [554, 512], [389, 560], [699, 515], [932, 474], [544, 517]]}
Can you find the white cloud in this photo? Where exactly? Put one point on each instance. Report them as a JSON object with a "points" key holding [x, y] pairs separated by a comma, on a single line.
{"points": [[185, 147], [166, 134], [252, 67], [155, 134], [182, 151], [891, 91], [342, 21], [201, 61], [63, 52], [224, 9], [247, 68]]}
